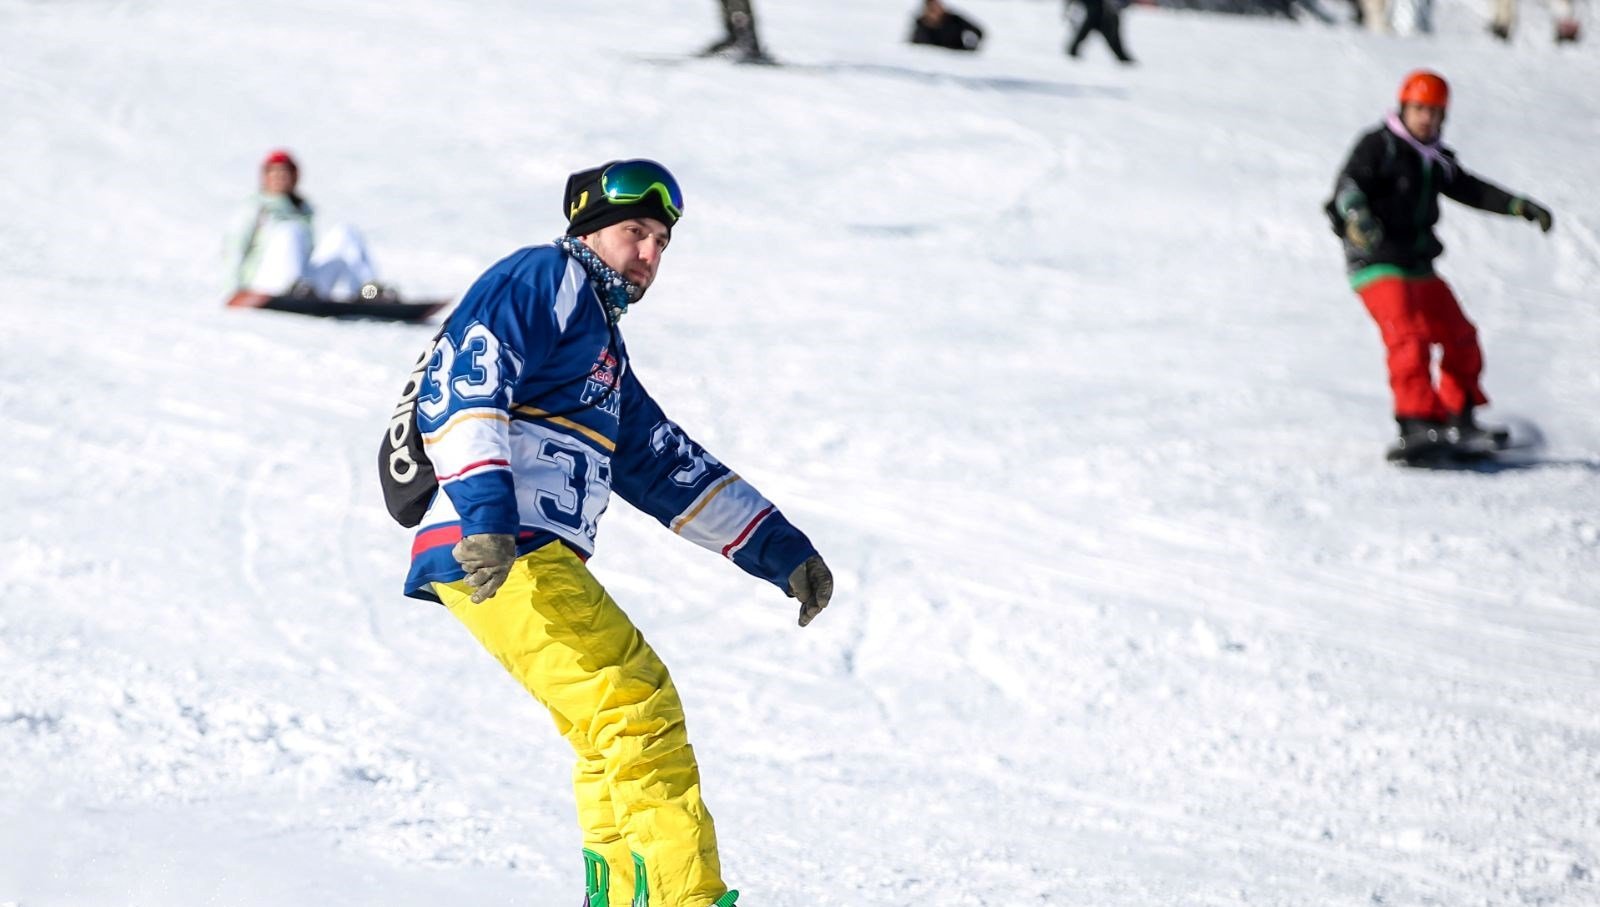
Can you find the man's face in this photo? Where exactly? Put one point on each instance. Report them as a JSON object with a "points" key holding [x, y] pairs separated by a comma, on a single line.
{"points": [[632, 248], [1422, 121], [277, 179]]}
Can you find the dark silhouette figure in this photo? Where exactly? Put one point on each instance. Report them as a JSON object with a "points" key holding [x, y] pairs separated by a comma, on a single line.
{"points": [[1103, 16], [739, 40]]}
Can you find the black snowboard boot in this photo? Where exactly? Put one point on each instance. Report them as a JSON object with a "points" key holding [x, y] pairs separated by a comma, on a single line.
{"points": [[747, 44], [740, 45], [1419, 439], [740, 42], [1464, 433]]}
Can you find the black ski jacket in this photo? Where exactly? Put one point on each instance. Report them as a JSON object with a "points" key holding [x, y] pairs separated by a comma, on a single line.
{"points": [[1401, 189], [953, 32]]}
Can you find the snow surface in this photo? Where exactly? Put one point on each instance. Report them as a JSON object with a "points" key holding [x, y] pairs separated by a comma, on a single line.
{"points": [[1055, 362]]}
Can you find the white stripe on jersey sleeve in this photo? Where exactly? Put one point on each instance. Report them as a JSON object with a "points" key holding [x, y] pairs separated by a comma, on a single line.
{"points": [[567, 297], [470, 441], [720, 515]]}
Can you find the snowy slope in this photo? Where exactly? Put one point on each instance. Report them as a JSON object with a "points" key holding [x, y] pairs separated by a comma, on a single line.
{"points": [[1053, 361]]}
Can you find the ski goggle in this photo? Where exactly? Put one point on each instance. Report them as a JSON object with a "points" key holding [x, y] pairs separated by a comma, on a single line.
{"points": [[627, 182]]}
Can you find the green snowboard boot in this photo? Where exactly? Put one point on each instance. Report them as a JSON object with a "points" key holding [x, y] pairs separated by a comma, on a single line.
{"points": [[596, 880], [641, 888]]}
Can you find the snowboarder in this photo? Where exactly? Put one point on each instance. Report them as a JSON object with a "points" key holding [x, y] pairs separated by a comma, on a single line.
{"points": [[271, 252], [945, 28], [532, 415], [1105, 17], [1384, 207], [739, 39]]}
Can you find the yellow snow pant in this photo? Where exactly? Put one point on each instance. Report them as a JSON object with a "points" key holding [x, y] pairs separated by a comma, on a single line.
{"points": [[638, 786]]}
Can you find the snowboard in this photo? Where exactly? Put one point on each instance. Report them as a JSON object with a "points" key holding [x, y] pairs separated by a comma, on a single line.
{"points": [[1441, 453], [672, 59], [409, 310], [689, 59]]}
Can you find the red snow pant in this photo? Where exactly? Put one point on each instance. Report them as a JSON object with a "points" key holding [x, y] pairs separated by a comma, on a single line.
{"points": [[1414, 314]]}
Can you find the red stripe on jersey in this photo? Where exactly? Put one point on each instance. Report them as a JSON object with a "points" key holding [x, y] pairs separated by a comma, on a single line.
{"points": [[433, 538], [728, 551], [471, 466], [449, 535]]}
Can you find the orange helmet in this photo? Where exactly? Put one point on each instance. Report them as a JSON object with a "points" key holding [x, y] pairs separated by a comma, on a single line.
{"points": [[1425, 87]]}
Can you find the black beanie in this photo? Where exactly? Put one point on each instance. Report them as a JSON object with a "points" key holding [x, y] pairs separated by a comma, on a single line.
{"points": [[587, 208]]}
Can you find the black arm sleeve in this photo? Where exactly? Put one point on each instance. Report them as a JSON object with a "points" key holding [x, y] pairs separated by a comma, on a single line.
{"points": [[1477, 193], [1363, 171], [1356, 179]]}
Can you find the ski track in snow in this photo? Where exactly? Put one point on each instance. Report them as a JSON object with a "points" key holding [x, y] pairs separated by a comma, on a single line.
{"points": [[1055, 363]]}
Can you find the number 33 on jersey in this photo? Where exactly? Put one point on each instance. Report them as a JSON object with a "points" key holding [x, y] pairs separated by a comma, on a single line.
{"points": [[532, 417]]}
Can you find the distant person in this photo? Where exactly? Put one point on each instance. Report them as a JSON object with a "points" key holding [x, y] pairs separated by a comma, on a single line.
{"points": [[1385, 205], [740, 40], [272, 252], [941, 27], [1105, 17], [1411, 17], [1503, 20], [1375, 15], [1314, 7], [1422, 16], [1566, 14], [1289, 9]]}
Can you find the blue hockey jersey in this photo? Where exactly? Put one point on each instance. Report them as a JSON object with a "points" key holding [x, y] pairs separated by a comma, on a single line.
{"points": [[532, 416]]}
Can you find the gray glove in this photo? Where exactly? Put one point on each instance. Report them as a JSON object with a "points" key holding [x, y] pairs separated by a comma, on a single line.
{"points": [[1528, 209], [1362, 229], [487, 559], [812, 583]]}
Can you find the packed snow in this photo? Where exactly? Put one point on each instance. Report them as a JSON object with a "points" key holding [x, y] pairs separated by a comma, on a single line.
{"points": [[1054, 361]]}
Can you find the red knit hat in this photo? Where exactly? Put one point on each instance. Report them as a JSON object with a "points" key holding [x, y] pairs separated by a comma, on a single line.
{"points": [[279, 156]]}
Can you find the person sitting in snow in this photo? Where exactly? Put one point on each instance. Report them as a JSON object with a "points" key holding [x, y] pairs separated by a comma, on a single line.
{"points": [[272, 253], [942, 27]]}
